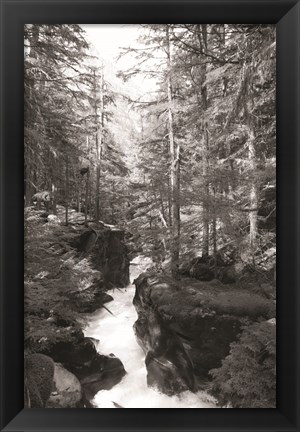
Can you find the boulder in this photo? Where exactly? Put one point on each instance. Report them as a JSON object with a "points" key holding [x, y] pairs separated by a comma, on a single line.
{"points": [[53, 219], [94, 371], [108, 253], [201, 271], [208, 268], [66, 392], [101, 374], [188, 325], [169, 367], [39, 371], [164, 375], [226, 274]]}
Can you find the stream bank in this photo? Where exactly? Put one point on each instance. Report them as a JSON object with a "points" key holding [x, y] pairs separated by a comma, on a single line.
{"points": [[116, 335], [149, 345], [66, 276]]}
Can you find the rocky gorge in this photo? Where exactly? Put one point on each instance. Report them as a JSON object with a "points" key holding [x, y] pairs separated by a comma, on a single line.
{"points": [[82, 264], [103, 339], [186, 327]]}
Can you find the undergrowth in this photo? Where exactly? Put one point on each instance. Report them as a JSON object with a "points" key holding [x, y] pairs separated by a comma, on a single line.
{"points": [[55, 278], [247, 377]]}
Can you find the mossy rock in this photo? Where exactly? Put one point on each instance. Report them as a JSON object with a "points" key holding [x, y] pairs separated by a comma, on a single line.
{"points": [[39, 372], [206, 316], [66, 392]]}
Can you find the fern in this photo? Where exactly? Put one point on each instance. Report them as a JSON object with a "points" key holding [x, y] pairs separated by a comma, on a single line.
{"points": [[247, 377]]}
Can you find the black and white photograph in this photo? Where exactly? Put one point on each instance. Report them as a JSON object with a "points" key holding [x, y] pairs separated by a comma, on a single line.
{"points": [[150, 216]]}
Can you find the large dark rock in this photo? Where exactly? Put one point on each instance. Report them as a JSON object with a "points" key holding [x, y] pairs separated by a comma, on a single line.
{"points": [[101, 374], [39, 372], [188, 325], [108, 253], [168, 364], [208, 268], [94, 371], [66, 390]]}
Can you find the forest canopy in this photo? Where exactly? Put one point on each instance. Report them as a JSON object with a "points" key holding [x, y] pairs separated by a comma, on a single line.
{"points": [[186, 165], [155, 167]]}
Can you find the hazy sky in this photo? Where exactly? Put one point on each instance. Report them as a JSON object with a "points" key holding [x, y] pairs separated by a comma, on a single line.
{"points": [[109, 39]]}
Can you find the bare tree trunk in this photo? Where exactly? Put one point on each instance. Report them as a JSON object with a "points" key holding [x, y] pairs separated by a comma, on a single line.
{"points": [[202, 40], [97, 198], [53, 189], [214, 224], [79, 195], [252, 162], [67, 190], [162, 206], [174, 168], [169, 203], [253, 198], [112, 203], [99, 142], [53, 196], [28, 186], [205, 246], [87, 181], [30, 118]]}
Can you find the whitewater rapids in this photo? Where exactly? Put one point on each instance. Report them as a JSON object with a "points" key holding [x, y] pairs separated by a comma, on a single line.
{"points": [[116, 336]]}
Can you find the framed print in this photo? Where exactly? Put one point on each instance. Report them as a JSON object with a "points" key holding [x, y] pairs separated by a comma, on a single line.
{"points": [[150, 215]]}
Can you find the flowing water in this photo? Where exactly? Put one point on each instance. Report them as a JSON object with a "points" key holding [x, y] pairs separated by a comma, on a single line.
{"points": [[116, 335]]}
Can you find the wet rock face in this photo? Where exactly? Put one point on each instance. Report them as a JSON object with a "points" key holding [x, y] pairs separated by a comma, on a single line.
{"points": [[108, 253], [168, 365], [66, 391], [103, 373], [186, 327], [94, 371]]}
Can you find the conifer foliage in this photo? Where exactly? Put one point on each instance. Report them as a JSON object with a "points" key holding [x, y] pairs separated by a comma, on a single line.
{"points": [[185, 166], [189, 166]]}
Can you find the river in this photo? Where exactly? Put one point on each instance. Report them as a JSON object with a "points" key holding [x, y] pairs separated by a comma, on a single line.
{"points": [[116, 335]]}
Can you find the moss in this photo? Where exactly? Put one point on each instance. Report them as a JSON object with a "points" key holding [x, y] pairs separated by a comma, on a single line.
{"points": [[186, 298], [242, 303], [39, 372]]}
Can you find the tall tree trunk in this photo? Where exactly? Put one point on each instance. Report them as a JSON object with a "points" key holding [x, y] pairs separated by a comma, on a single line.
{"points": [[112, 203], [67, 189], [52, 187], [79, 195], [99, 141], [97, 198], [162, 206], [214, 224], [169, 203], [53, 197], [87, 181], [30, 118], [253, 197], [28, 186], [175, 166], [202, 40]]}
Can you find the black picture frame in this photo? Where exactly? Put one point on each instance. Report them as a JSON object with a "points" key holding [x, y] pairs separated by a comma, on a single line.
{"points": [[286, 15]]}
